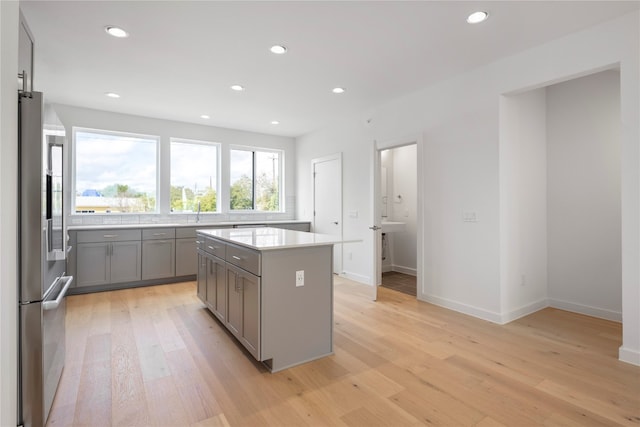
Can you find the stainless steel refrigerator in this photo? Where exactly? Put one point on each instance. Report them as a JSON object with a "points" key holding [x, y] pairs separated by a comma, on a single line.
{"points": [[42, 252]]}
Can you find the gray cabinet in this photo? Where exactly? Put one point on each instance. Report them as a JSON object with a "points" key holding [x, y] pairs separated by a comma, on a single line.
{"points": [[94, 266], [186, 257], [243, 319], [202, 277], [158, 253], [217, 287], [281, 322], [186, 251], [108, 257]]}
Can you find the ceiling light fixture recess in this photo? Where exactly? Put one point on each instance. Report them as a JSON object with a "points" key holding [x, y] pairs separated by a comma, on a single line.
{"points": [[204, 116], [477, 17], [237, 88], [112, 95], [338, 90], [116, 31], [278, 49]]}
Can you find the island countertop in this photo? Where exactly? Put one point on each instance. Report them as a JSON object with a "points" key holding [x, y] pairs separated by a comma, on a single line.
{"points": [[267, 238]]}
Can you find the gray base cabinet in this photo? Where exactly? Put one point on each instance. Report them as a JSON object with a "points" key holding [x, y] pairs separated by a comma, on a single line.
{"points": [[104, 258], [202, 277], [216, 297], [243, 320], [158, 258], [279, 323], [116, 258], [186, 257]]}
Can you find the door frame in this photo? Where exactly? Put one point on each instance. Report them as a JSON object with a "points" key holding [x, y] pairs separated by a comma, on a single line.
{"points": [[338, 247], [376, 220]]}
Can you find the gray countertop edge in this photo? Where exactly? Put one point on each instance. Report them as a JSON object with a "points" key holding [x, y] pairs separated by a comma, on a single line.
{"points": [[180, 225]]}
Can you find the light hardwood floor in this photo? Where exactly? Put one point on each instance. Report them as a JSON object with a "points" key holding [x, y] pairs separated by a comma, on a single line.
{"points": [[156, 356]]}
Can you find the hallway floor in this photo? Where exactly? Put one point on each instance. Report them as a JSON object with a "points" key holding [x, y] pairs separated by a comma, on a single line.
{"points": [[400, 282]]}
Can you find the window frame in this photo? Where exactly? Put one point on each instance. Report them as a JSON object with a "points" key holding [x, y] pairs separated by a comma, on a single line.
{"points": [[73, 169], [218, 173], [281, 178]]}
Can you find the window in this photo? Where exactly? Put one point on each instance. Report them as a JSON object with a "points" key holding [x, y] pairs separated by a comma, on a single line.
{"points": [[255, 179], [194, 176], [114, 172]]}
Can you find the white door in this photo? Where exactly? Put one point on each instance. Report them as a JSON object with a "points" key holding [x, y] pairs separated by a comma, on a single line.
{"points": [[376, 221], [327, 201]]}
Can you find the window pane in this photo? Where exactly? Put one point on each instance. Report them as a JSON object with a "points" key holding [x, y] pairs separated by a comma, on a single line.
{"points": [[241, 172], [194, 176], [267, 179], [114, 173]]}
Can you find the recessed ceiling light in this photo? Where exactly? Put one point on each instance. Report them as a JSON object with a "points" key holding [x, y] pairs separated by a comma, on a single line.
{"points": [[338, 90], [112, 95], [477, 17], [116, 31], [237, 87], [275, 122], [204, 116], [278, 49]]}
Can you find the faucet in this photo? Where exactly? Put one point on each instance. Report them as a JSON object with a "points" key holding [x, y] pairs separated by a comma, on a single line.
{"points": [[198, 214]]}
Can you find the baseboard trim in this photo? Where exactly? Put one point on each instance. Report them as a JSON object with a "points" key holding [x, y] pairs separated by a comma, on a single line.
{"points": [[628, 355], [524, 311], [463, 308], [356, 277], [404, 270], [601, 313]]}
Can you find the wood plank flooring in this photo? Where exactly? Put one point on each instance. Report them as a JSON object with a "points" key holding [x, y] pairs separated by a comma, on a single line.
{"points": [[400, 282], [155, 356]]}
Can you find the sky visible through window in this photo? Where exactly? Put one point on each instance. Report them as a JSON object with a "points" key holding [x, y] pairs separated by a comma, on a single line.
{"points": [[103, 159]]}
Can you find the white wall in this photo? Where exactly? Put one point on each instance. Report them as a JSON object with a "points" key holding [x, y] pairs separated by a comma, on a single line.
{"points": [[9, 18], [96, 119], [584, 235], [405, 209], [357, 192], [523, 203], [459, 122]]}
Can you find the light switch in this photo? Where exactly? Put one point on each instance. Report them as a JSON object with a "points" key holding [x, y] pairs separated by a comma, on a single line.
{"points": [[469, 216]]}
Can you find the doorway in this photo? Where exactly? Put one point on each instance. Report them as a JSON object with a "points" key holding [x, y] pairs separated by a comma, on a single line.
{"points": [[327, 201], [398, 197], [397, 216]]}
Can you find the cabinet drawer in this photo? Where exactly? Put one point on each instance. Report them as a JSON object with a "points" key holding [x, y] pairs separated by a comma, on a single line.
{"points": [[158, 233], [213, 246], [244, 258], [107, 236], [185, 232]]}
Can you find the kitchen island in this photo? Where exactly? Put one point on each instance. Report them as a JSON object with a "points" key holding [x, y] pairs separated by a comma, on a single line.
{"points": [[272, 289]]}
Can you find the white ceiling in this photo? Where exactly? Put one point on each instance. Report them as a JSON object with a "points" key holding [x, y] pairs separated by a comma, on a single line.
{"points": [[181, 56]]}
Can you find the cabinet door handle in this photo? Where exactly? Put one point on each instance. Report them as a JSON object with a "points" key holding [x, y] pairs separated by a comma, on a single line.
{"points": [[212, 248], [159, 234], [236, 257], [109, 236], [198, 242]]}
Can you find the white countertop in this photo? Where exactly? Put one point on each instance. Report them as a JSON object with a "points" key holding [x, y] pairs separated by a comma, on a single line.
{"points": [[271, 238], [182, 224]]}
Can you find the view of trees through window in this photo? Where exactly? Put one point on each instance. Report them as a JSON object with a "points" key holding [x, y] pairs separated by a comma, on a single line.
{"points": [[114, 172], [194, 176], [118, 173], [255, 180]]}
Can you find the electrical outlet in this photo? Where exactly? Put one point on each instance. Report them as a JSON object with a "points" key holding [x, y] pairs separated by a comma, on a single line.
{"points": [[299, 278]]}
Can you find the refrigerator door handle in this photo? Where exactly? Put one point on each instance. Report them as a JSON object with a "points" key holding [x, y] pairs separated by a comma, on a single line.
{"points": [[52, 305]]}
